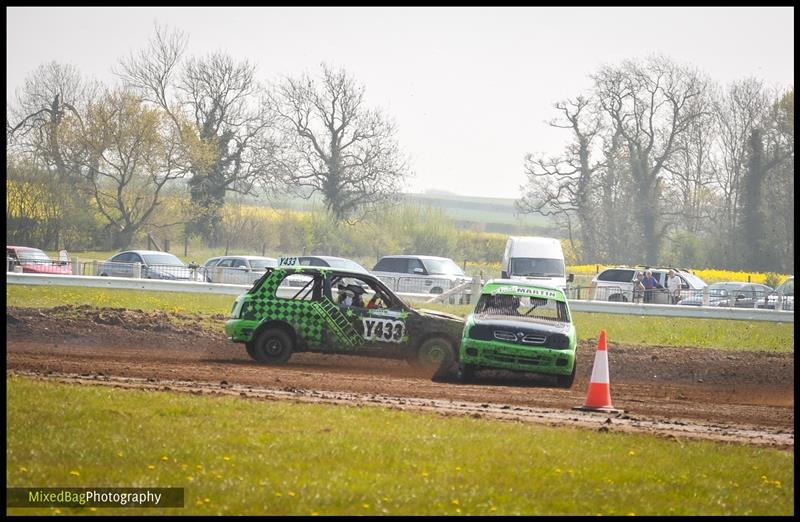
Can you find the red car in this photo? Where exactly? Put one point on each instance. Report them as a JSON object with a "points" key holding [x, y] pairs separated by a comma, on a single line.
{"points": [[35, 261]]}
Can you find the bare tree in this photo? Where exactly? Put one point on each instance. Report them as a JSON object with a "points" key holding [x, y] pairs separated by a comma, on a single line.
{"points": [[742, 108], [34, 122], [650, 104], [127, 152], [219, 110], [336, 146], [688, 188], [566, 185]]}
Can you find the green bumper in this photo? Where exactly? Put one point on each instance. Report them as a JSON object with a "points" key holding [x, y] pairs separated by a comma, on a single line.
{"points": [[507, 356], [240, 330]]}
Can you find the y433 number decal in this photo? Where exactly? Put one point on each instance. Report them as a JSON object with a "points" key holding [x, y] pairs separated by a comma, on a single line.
{"points": [[384, 330]]}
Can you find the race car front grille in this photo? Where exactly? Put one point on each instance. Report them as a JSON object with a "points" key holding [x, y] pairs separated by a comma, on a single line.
{"points": [[532, 359], [520, 337]]}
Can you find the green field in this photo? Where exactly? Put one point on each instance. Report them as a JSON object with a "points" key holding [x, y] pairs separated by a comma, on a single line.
{"points": [[237, 456], [621, 329]]}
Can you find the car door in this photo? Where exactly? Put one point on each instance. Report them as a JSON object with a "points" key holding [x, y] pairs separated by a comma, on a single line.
{"points": [[225, 272], [745, 296], [376, 320], [414, 279], [121, 265]]}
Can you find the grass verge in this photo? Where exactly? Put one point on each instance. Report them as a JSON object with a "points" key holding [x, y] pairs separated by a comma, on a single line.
{"points": [[236, 456]]}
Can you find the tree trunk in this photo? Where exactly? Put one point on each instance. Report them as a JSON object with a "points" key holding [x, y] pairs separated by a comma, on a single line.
{"points": [[752, 216]]}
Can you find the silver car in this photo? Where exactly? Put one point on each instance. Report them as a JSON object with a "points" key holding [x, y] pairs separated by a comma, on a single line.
{"points": [[238, 270], [150, 264], [420, 274]]}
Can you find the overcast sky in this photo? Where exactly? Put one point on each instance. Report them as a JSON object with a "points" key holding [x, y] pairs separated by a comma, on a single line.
{"points": [[469, 88]]}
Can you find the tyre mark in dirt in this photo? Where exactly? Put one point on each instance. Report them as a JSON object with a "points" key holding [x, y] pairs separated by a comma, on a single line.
{"points": [[602, 422]]}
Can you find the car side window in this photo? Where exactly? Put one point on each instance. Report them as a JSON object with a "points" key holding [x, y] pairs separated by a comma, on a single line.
{"points": [[125, 257], [304, 287], [618, 276], [136, 258], [414, 264], [239, 262], [360, 293], [397, 264], [225, 263]]}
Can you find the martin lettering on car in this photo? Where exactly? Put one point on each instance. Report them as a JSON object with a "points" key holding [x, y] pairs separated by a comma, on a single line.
{"points": [[526, 291], [315, 321]]}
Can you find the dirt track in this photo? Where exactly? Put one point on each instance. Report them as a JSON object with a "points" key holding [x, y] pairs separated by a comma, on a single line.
{"points": [[680, 392]]}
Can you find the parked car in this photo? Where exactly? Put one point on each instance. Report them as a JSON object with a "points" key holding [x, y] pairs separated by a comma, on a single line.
{"points": [[782, 298], [338, 311], [329, 261], [35, 261], [419, 274], [154, 265], [522, 326], [236, 269], [318, 261], [733, 294], [616, 284]]}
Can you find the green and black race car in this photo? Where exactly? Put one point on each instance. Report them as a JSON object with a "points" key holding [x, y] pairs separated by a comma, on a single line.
{"points": [[520, 326], [330, 310]]}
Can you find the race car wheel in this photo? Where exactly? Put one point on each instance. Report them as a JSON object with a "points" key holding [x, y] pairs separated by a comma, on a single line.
{"points": [[272, 346], [465, 373], [434, 354], [565, 381]]}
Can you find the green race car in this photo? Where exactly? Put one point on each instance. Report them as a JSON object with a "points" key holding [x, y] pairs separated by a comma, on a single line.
{"points": [[520, 326], [331, 310]]}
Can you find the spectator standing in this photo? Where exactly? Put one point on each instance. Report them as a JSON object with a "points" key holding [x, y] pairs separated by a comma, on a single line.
{"points": [[638, 287], [650, 284], [674, 287]]}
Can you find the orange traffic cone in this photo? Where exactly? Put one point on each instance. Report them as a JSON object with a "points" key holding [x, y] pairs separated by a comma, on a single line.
{"points": [[599, 396]]}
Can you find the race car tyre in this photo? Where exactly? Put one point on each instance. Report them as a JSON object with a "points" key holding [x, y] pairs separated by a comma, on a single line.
{"points": [[434, 354], [272, 346], [465, 372], [250, 347], [565, 381]]}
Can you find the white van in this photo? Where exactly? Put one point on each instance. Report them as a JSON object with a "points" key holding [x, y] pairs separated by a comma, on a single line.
{"points": [[535, 258]]}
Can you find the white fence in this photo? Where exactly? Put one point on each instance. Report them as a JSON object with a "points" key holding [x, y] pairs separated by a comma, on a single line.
{"points": [[702, 312]]}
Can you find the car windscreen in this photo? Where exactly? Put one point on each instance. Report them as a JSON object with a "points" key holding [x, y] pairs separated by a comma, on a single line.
{"points": [[262, 264], [32, 255], [442, 267], [521, 308], [693, 280], [162, 259], [787, 288], [537, 267]]}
